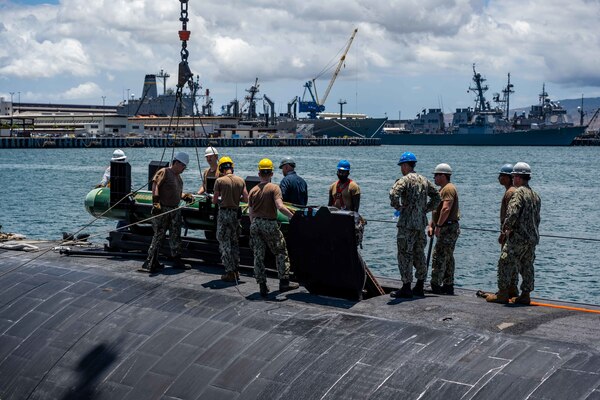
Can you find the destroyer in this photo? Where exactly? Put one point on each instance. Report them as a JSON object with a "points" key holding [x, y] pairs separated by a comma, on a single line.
{"points": [[546, 124]]}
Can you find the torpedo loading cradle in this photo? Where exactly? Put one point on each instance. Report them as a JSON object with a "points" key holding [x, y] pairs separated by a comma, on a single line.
{"points": [[321, 241]]}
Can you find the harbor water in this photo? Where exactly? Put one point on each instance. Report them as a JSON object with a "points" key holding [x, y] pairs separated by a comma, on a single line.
{"points": [[42, 192]]}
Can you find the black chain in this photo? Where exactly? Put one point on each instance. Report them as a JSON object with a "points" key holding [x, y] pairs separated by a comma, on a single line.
{"points": [[185, 74], [184, 20]]}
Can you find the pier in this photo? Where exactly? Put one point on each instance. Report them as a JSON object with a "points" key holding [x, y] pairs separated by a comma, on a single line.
{"points": [[123, 142], [586, 141]]}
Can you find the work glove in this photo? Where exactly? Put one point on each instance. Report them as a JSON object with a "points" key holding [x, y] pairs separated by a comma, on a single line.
{"points": [[502, 238], [156, 210], [188, 198]]}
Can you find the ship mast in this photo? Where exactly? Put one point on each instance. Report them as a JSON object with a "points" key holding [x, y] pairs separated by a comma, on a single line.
{"points": [[163, 75], [479, 89], [506, 92], [543, 95]]}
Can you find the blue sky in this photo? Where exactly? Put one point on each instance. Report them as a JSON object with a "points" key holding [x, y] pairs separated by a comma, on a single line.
{"points": [[407, 55]]}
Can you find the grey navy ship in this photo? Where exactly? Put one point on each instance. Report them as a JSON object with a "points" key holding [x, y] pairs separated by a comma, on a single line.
{"points": [[546, 124]]}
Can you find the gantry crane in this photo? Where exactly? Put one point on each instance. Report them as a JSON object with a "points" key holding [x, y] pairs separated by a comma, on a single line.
{"points": [[316, 105]]}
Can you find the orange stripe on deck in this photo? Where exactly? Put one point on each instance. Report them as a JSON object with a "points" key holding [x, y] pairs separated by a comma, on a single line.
{"points": [[535, 303]]}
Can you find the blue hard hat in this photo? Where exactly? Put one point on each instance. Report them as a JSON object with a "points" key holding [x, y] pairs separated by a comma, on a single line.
{"points": [[506, 169], [344, 165], [407, 156]]}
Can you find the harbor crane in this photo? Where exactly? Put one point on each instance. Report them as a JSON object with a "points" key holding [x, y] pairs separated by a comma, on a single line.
{"points": [[316, 105]]}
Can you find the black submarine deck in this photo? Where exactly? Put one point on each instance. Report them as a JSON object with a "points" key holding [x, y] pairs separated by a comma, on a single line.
{"points": [[94, 328]]}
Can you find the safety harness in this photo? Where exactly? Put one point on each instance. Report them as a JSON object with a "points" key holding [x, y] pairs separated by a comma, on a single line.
{"points": [[338, 198]]}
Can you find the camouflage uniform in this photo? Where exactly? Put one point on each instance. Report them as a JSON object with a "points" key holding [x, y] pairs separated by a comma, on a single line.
{"points": [[265, 233], [442, 264], [228, 233], [170, 221], [409, 196], [518, 253], [503, 207]]}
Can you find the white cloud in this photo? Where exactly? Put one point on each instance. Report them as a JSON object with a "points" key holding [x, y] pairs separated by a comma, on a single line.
{"points": [[83, 91], [400, 44], [48, 59]]}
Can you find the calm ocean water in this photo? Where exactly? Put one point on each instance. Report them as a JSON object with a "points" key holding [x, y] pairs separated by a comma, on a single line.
{"points": [[42, 194]]}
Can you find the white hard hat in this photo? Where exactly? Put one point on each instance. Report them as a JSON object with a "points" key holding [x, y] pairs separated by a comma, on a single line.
{"points": [[443, 168], [182, 158], [210, 151], [521, 168], [118, 155]]}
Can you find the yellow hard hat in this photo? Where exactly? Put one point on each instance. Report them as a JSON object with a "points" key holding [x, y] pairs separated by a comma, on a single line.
{"points": [[225, 160], [265, 164]]}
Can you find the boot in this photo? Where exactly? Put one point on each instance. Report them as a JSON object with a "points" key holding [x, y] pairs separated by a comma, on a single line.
{"points": [[285, 285], [513, 291], [152, 268], [145, 267], [522, 299], [404, 293], [418, 289], [230, 276], [179, 264], [501, 296], [264, 289], [436, 289], [448, 289]]}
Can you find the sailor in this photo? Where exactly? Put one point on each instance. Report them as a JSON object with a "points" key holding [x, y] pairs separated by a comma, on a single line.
{"points": [[521, 229], [117, 156], [505, 179], [409, 196], [345, 193], [167, 188], [264, 200], [293, 188], [444, 225], [212, 158], [229, 189]]}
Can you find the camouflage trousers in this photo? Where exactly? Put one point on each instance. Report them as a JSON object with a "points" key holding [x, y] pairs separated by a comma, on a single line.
{"points": [[359, 228], [411, 252], [228, 234], [514, 280], [442, 264], [265, 233], [161, 223], [516, 258]]}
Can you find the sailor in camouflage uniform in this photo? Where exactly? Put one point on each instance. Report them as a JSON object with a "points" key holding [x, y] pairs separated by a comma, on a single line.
{"points": [[228, 191], [505, 179], [409, 196], [444, 224], [521, 228], [264, 200], [167, 188]]}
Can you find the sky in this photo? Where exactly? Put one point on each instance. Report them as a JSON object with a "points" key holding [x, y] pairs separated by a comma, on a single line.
{"points": [[407, 55]]}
